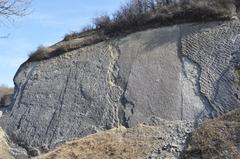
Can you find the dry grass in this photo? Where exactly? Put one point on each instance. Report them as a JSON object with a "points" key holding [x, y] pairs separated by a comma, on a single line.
{"points": [[4, 148], [218, 138], [126, 21], [129, 18], [72, 42], [138, 15], [85, 32], [120, 143], [41, 53]]}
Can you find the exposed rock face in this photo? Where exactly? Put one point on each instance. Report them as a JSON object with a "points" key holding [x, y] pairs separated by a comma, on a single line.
{"points": [[183, 72], [216, 51]]}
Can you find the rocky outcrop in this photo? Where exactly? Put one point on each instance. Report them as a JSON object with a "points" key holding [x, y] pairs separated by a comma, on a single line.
{"points": [[178, 73]]}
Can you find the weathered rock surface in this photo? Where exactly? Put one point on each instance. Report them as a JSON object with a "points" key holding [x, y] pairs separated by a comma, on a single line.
{"points": [[183, 72]]}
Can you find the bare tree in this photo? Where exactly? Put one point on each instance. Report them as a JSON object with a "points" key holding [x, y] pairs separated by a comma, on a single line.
{"points": [[11, 8], [101, 21]]}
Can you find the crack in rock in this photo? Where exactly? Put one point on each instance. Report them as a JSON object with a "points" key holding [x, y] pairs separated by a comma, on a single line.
{"points": [[113, 97]]}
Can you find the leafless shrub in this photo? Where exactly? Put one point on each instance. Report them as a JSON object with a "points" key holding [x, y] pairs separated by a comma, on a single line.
{"points": [[87, 28], [140, 14], [71, 36], [43, 53], [40, 54], [101, 21], [85, 31]]}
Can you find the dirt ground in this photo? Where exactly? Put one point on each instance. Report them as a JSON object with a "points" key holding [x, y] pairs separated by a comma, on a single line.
{"points": [[118, 143]]}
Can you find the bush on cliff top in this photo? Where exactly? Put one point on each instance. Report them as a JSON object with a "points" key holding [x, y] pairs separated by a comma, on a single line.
{"points": [[138, 15]]}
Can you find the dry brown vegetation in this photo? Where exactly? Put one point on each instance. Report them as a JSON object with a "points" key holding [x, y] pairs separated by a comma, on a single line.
{"points": [[43, 53], [218, 138], [119, 143], [4, 148], [138, 15]]}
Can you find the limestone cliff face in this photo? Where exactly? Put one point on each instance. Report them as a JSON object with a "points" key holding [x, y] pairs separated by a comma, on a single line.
{"points": [[182, 72]]}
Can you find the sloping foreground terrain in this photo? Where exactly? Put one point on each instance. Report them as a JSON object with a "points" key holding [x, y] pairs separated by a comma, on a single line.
{"points": [[182, 73], [9, 150], [218, 138], [4, 147], [134, 143]]}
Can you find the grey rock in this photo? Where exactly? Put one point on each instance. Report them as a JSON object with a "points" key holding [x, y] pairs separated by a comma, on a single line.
{"points": [[178, 73], [216, 52], [70, 99], [172, 141]]}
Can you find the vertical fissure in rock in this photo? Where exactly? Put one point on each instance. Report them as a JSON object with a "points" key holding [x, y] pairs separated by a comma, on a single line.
{"points": [[58, 111], [126, 103], [113, 97]]}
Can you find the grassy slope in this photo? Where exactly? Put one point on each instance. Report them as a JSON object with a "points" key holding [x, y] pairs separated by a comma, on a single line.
{"points": [[120, 143], [218, 138]]}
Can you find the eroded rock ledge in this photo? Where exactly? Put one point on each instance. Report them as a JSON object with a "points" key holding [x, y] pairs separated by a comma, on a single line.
{"points": [[178, 73]]}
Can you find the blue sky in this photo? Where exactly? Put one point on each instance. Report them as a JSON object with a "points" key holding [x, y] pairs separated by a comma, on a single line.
{"points": [[47, 24]]}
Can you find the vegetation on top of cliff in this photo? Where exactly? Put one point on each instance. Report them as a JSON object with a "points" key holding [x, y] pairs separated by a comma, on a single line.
{"points": [[218, 138], [141, 14], [138, 15]]}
